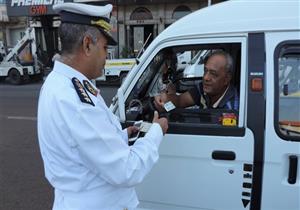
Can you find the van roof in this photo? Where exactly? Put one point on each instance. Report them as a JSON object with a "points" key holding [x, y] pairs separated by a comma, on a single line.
{"points": [[237, 16]]}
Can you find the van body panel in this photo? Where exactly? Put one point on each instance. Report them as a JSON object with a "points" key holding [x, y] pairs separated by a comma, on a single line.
{"points": [[276, 189], [208, 167], [256, 110], [187, 175], [239, 17]]}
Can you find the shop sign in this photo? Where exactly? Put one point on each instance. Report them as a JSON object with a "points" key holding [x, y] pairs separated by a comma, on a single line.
{"points": [[31, 7]]}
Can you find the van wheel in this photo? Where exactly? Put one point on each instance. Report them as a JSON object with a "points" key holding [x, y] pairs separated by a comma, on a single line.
{"points": [[14, 77], [122, 77]]}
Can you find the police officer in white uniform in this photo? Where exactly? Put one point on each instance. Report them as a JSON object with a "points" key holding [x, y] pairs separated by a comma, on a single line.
{"points": [[85, 151]]}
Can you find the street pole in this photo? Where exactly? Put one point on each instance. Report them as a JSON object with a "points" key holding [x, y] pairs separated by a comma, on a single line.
{"points": [[117, 5]]}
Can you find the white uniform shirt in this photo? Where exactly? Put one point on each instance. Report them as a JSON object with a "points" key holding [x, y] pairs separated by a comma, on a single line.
{"points": [[85, 152]]}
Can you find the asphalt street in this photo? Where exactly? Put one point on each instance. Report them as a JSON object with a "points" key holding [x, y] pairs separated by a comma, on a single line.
{"points": [[22, 182]]}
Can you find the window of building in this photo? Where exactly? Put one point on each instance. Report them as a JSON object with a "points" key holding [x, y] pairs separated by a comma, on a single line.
{"points": [[3, 11], [180, 11], [141, 13], [287, 67]]}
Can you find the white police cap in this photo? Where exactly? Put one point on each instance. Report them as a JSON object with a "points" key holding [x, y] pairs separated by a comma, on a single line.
{"points": [[78, 13]]}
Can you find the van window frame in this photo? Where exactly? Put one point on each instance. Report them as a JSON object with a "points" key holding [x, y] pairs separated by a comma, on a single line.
{"points": [[194, 129], [277, 54]]}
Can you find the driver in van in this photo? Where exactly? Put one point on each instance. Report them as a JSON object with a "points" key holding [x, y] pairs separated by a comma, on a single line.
{"points": [[215, 91]]}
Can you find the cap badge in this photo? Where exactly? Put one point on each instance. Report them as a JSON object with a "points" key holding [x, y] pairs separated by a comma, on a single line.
{"points": [[103, 24], [90, 88], [83, 95]]}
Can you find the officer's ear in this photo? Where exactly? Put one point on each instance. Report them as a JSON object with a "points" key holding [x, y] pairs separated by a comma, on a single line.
{"points": [[86, 45]]}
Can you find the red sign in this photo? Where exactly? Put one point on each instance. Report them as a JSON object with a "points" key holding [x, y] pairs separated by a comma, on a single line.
{"points": [[38, 10]]}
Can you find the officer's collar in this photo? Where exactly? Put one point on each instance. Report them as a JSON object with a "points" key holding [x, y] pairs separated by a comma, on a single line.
{"points": [[68, 71]]}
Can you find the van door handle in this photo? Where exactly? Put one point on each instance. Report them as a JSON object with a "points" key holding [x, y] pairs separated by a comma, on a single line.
{"points": [[223, 155], [293, 169]]}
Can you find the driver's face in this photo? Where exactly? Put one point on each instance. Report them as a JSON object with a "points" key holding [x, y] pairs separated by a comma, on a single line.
{"points": [[215, 78]]}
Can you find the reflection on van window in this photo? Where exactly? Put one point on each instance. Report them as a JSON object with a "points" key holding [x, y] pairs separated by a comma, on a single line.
{"points": [[195, 67], [289, 94], [205, 93]]}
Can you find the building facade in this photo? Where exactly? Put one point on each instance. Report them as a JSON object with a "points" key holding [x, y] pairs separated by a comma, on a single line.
{"points": [[135, 22]]}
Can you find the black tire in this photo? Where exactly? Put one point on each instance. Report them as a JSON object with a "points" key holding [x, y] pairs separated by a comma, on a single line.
{"points": [[15, 77], [122, 77]]}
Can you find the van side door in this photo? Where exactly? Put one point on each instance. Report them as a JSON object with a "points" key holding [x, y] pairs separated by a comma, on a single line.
{"points": [[281, 171], [203, 164]]}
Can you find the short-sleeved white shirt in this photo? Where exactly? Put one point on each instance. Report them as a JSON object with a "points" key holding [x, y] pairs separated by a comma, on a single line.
{"points": [[85, 151]]}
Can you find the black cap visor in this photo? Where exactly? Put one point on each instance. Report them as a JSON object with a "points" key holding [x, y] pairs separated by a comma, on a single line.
{"points": [[69, 17], [110, 39]]}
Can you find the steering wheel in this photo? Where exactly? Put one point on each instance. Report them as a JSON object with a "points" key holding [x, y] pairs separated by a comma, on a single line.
{"points": [[141, 109], [149, 109]]}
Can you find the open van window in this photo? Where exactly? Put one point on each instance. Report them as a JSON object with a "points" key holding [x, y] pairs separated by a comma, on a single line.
{"points": [[289, 91], [162, 75]]}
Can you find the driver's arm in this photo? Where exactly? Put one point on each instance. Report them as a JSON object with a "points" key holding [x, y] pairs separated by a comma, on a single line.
{"points": [[181, 101], [184, 100]]}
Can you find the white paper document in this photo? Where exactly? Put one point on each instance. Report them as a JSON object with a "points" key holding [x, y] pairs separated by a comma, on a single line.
{"points": [[169, 106]]}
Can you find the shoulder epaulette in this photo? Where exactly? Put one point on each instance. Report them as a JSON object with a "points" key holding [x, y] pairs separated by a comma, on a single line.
{"points": [[90, 88], [83, 95]]}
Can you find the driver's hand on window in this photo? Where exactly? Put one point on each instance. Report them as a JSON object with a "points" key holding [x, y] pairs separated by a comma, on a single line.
{"points": [[160, 100], [163, 122]]}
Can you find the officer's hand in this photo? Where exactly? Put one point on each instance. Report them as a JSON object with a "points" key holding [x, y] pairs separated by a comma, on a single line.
{"points": [[131, 130], [163, 122], [159, 101]]}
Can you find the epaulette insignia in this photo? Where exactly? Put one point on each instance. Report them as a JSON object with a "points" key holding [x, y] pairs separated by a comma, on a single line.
{"points": [[90, 88], [83, 95]]}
